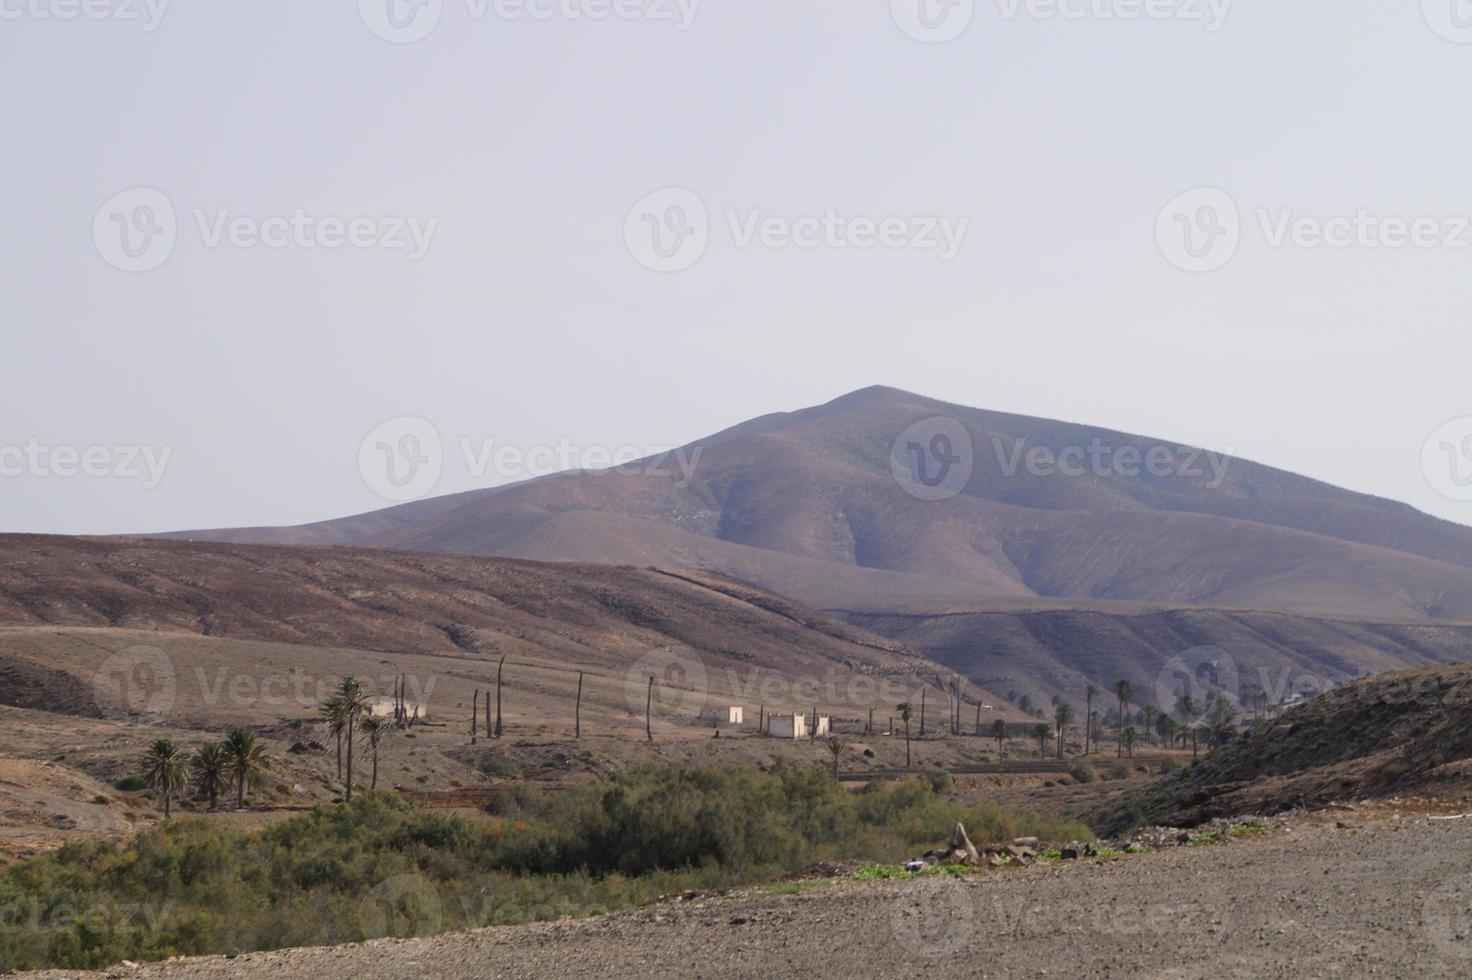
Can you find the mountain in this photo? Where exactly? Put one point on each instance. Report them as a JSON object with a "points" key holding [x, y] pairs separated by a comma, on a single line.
{"points": [[829, 505], [1042, 649]]}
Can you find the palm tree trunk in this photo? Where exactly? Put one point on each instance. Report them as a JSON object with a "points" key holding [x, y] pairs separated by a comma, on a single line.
{"points": [[339, 754], [374, 784], [578, 710], [350, 758], [907, 743], [649, 712]]}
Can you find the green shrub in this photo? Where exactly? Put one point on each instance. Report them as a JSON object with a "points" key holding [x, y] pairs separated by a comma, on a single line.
{"points": [[1171, 764], [132, 783], [1083, 771], [382, 867], [498, 766]]}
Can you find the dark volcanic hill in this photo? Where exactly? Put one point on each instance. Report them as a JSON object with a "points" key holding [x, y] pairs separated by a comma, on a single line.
{"points": [[806, 503], [1407, 733]]}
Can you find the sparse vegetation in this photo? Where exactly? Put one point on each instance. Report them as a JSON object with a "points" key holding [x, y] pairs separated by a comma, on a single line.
{"points": [[1083, 771], [198, 887]]}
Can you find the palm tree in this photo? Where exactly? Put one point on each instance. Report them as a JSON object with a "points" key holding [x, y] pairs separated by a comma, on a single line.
{"points": [[1124, 692], [373, 732], [836, 747], [167, 771], [247, 760], [1062, 715], [1130, 734], [210, 769], [1042, 731], [906, 710], [1090, 693], [999, 732], [1223, 719], [336, 719], [350, 693], [1165, 727]]}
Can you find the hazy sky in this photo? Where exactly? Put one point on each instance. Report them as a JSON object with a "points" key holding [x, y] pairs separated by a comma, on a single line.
{"points": [[1047, 139]]}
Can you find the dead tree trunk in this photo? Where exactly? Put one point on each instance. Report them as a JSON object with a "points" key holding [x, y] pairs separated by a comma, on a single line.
{"points": [[474, 714], [577, 711], [649, 712], [499, 667]]}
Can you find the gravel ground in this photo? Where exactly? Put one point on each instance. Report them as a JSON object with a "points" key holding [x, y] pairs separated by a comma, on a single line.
{"points": [[1384, 896]]}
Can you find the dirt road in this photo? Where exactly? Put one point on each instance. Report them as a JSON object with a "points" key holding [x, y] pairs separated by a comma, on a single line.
{"points": [[1382, 897]]}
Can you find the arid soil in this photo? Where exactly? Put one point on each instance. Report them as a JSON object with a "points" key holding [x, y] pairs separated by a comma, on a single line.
{"points": [[1379, 892]]}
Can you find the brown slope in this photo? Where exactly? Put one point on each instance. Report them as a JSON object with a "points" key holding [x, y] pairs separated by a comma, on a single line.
{"points": [[597, 616], [1393, 734], [816, 485], [1058, 648]]}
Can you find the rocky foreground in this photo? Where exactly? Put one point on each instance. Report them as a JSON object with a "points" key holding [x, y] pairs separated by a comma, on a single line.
{"points": [[1380, 891]]}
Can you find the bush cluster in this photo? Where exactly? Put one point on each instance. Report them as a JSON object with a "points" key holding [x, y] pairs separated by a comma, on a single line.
{"points": [[380, 866]]}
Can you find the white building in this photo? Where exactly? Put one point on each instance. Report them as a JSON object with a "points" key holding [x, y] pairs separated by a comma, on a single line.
{"points": [[796, 726], [734, 715]]}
